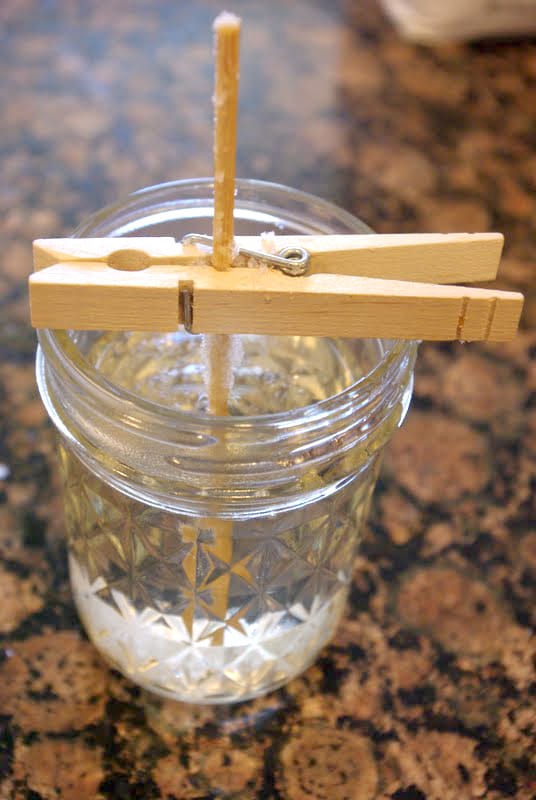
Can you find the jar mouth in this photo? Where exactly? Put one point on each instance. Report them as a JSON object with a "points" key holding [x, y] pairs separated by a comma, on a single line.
{"points": [[205, 186], [60, 344]]}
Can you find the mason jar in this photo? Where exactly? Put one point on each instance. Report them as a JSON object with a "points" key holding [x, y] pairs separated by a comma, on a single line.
{"points": [[210, 557]]}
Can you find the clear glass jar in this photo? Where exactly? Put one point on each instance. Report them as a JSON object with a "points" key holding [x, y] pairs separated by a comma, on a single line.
{"points": [[210, 557]]}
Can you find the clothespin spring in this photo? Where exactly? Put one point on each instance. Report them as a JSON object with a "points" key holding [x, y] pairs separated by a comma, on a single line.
{"points": [[293, 261]]}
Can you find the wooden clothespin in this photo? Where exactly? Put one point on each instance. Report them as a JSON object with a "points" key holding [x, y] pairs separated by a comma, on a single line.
{"points": [[390, 286]]}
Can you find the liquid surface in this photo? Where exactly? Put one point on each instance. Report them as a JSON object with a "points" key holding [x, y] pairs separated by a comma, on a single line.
{"points": [[271, 374]]}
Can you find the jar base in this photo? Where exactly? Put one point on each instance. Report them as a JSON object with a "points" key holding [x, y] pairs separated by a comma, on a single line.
{"points": [[156, 651]]}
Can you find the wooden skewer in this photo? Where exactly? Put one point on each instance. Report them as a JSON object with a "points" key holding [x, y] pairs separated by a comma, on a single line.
{"points": [[427, 257], [219, 348], [227, 33]]}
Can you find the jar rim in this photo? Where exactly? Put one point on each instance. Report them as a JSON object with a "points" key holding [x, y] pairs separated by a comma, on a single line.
{"points": [[60, 344]]}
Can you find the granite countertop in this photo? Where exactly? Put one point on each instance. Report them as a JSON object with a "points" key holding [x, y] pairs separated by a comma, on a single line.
{"points": [[428, 689]]}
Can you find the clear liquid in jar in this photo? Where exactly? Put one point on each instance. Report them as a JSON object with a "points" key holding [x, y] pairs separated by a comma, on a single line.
{"points": [[146, 581]]}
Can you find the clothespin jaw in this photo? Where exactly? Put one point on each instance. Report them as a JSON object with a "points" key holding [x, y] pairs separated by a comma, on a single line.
{"points": [[387, 286]]}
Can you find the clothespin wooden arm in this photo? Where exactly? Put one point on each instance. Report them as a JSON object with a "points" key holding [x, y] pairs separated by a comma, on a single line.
{"points": [[125, 253], [347, 306], [92, 296], [427, 257]]}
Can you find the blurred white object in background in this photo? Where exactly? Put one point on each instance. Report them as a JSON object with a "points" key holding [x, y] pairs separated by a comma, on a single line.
{"points": [[460, 20]]}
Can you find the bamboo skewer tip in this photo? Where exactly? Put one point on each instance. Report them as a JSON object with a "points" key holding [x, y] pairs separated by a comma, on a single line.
{"points": [[226, 21]]}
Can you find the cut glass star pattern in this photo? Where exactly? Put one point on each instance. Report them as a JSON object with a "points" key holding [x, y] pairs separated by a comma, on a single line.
{"points": [[148, 585]]}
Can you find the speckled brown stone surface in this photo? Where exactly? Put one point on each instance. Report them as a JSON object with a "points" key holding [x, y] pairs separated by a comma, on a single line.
{"points": [[428, 690]]}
